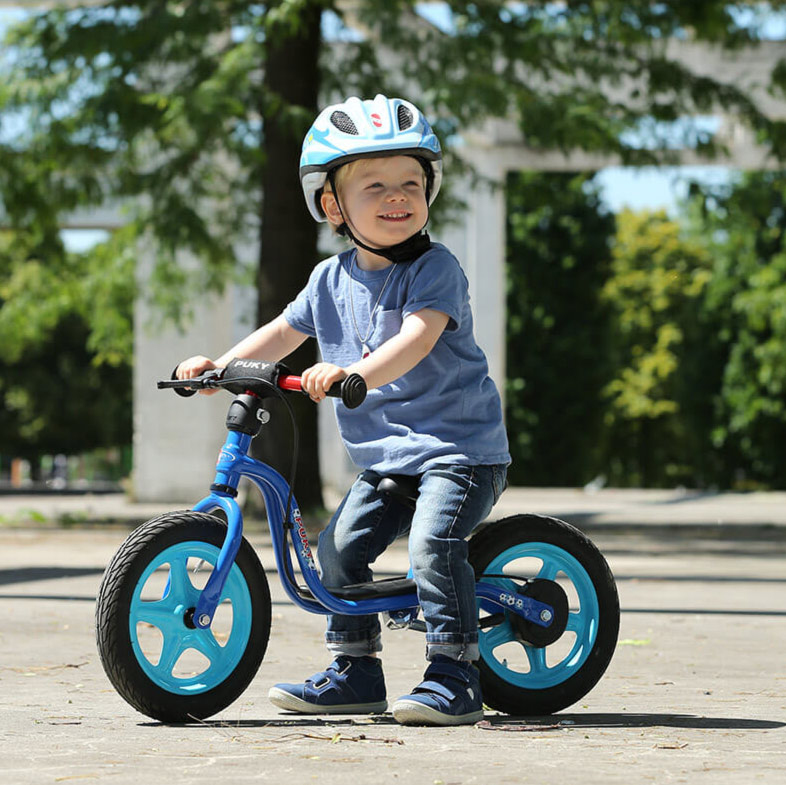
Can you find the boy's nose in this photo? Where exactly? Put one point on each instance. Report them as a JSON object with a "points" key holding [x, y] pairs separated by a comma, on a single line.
{"points": [[396, 193]]}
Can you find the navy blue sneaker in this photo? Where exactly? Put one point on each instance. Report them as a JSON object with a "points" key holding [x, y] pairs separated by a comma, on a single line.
{"points": [[448, 695], [349, 685]]}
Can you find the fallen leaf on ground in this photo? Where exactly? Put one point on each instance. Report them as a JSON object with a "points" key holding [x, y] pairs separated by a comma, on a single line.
{"points": [[486, 725], [336, 738], [671, 746]]}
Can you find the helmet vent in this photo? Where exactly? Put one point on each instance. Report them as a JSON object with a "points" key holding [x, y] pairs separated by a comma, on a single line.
{"points": [[405, 118], [344, 123]]}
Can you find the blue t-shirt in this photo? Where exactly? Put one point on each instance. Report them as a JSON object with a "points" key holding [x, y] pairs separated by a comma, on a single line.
{"points": [[446, 410]]}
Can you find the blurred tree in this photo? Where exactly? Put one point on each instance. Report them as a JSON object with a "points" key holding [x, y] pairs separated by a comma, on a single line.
{"points": [[189, 109], [559, 238], [746, 301], [666, 371], [65, 371]]}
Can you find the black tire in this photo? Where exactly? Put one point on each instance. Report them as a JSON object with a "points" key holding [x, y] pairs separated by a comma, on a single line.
{"points": [[165, 696], [537, 687]]}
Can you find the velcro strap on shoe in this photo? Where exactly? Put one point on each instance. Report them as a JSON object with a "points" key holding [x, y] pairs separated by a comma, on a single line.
{"points": [[449, 671], [437, 689], [318, 680], [321, 680]]}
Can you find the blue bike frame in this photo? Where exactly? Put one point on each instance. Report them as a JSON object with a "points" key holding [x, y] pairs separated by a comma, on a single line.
{"points": [[233, 464]]}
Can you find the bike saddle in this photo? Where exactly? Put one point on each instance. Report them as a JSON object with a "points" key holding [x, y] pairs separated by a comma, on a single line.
{"points": [[402, 487], [387, 587]]}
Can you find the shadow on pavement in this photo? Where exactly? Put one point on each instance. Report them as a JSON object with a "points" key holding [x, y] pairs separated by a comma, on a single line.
{"points": [[27, 574], [506, 723], [619, 720]]}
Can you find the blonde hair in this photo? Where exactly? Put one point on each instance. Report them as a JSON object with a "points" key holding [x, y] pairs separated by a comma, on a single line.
{"points": [[340, 177], [343, 173]]}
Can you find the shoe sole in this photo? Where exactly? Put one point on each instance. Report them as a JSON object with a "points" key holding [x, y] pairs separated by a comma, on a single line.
{"points": [[414, 713], [283, 700]]}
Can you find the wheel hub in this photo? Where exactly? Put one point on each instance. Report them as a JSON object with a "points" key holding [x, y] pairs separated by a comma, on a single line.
{"points": [[188, 619], [552, 594]]}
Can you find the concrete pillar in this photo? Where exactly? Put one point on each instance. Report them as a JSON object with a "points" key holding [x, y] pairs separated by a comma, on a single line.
{"points": [[478, 240], [176, 440]]}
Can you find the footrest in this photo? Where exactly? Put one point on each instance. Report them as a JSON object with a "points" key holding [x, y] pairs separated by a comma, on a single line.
{"points": [[388, 587]]}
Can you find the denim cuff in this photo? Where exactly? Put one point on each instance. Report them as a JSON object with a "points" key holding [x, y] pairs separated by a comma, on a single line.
{"points": [[467, 652], [351, 645], [457, 638]]}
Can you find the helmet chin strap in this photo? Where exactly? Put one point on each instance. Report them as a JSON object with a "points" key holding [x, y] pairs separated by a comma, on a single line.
{"points": [[406, 251]]}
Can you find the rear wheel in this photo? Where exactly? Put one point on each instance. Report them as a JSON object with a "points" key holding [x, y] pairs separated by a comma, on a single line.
{"points": [[523, 669], [154, 655]]}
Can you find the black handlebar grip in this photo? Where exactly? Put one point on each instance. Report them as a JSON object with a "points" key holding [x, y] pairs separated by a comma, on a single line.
{"points": [[182, 391], [353, 390]]}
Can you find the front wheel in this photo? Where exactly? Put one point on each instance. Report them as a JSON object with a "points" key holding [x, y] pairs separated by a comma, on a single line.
{"points": [[156, 658], [524, 671]]}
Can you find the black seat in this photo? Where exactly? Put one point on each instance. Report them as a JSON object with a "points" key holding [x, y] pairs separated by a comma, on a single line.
{"points": [[388, 587], [403, 488]]}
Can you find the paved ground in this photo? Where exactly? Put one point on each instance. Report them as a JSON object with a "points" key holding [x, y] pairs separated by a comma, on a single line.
{"points": [[696, 691], [608, 509]]}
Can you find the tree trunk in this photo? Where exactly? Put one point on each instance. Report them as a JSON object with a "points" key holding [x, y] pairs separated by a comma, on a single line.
{"points": [[288, 249]]}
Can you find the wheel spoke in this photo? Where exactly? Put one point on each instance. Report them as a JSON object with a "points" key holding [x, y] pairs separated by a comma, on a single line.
{"points": [[170, 653], [180, 587], [549, 569], [537, 659], [159, 613], [575, 623], [496, 636], [205, 643]]}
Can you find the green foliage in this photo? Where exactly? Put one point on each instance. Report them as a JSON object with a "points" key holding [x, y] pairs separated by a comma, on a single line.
{"points": [[659, 361], [658, 406], [154, 105], [559, 239], [573, 75], [55, 399], [66, 331], [39, 289], [746, 224]]}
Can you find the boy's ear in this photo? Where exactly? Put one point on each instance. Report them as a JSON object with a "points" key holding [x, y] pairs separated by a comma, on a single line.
{"points": [[330, 208]]}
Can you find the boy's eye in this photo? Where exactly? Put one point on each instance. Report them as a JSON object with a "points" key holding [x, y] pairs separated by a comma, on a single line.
{"points": [[407, 184]]}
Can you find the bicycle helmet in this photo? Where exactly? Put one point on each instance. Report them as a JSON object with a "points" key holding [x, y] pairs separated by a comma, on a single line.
{"points": [[366, 129]]}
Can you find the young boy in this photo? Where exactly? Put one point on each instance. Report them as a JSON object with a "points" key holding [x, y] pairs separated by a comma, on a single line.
{"points": [[395, 309]]}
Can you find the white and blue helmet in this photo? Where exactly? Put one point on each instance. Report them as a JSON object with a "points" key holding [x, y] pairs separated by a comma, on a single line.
{"points": [[366, 129]]}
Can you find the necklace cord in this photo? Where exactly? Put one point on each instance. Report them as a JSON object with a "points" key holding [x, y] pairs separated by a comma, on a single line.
{"points": [[372, 312]]}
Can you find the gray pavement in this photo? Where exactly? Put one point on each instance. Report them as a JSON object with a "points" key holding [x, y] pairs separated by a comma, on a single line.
{"points": [[696, 691], [608, 509]]}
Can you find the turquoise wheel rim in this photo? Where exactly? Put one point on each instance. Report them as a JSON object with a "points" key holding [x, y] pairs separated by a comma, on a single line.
{"points": [[167, 615], [582, 620]]}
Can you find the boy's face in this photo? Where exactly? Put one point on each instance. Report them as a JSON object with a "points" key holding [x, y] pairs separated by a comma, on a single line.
{"points": [[383, 200]]}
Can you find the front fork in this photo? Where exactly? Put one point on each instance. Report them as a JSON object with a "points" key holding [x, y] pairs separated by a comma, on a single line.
{"points": [[222, 496], [211, 594]]}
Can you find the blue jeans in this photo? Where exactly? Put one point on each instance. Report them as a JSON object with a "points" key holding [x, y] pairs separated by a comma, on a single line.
{"points": [[453, 501]]}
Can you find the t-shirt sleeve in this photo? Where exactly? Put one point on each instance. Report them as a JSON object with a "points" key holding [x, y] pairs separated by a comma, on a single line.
{"points": [[299, 313], [439, 283]]}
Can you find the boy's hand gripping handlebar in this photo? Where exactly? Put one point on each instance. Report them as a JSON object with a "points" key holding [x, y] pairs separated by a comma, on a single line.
{"points": [[261, 378]]}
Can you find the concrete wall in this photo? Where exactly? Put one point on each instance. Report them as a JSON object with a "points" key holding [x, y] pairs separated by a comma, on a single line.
{"points": [[176, 440]]}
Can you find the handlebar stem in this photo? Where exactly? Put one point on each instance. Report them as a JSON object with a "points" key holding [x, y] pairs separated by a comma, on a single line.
{"points": [[236, 446]]}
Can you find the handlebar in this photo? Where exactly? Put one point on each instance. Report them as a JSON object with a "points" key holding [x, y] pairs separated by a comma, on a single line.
{"points": [[351, 390]]}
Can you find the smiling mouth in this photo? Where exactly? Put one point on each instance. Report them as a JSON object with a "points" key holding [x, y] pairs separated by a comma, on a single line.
{"points": [[396, 217]]}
